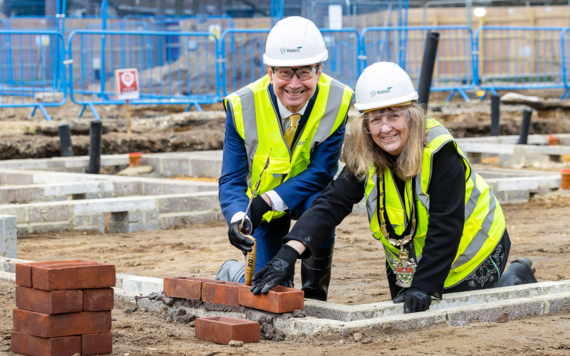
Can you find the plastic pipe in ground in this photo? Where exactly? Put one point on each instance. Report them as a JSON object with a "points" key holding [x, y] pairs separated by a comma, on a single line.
{"points": [[65, 140], [495, 115], [428, 63], [95, 146], [525, 127]]}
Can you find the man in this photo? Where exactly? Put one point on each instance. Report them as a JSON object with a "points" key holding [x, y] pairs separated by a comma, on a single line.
{"points": [[295, 115]]}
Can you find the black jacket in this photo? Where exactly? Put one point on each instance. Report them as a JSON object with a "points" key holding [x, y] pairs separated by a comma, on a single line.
{"points": [[446, 221]]}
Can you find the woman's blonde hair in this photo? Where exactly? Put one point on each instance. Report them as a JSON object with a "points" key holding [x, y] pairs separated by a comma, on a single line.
{"points": [[360, 151]]}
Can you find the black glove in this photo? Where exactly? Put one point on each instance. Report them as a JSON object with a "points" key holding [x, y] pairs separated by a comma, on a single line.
{"points": [[280, 269], [258, 208], [415, 300], [236, 237]]}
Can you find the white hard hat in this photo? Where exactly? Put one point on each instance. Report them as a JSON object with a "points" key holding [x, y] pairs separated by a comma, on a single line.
{"points": [[294, 41], [382, 85]]}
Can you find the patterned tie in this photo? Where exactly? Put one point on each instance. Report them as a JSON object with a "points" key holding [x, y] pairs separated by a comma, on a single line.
{"points": [[290, 133]]}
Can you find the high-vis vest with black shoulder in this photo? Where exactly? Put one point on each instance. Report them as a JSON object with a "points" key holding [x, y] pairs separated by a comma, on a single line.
{"points": [[258, 124], [484, 220]]}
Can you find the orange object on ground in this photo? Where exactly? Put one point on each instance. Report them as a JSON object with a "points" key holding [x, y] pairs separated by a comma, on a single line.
{"points": [[222, 330], [553, 141], [565, 183], [279, 300], [135, 159]]}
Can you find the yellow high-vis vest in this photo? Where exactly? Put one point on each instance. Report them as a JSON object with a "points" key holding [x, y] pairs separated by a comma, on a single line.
{"points": [[484, 220], [258, 124]]}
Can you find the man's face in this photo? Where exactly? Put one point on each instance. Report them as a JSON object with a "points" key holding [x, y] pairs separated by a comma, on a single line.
{"points": [[294, 92]]}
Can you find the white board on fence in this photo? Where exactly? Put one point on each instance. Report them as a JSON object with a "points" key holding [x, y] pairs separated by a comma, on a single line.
{"points": [[335, 17], [127, 83], [215, 30]]}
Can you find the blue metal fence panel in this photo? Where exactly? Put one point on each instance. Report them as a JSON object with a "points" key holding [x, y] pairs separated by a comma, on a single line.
{"points": [[3, 24], [520, 58], [405, 45], [242, 51], [31, 69], [174, 67]]}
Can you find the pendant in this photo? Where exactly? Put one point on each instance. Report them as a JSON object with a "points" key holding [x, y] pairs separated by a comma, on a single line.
{"points": [[405, 269]]}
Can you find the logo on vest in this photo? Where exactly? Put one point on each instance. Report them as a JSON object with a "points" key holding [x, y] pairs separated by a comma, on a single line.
{"points": [[374, 92], [290, 50], [301, 143]]}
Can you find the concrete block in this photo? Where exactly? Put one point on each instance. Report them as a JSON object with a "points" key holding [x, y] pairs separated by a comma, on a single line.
{"points": [[56, 213], [175, 167], [20, 195], [145, 285], [18, 178], [81, 220], [114, 205], [125, 227], [127, 188], [188, 203], [205, 167], [93, 196], [8, 236], [179, 188], [150, 215], [45, 227], [279, 300], [152, 188], [6, 276], [36, 214], [167, 220], [20, 212], [127, 216], [222, 330], [97, 219], [151, 226], [495, 312], [9, 264], [556, 303], [55, 164]]}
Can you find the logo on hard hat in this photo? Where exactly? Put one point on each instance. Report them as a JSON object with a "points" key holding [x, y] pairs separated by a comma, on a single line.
{"points": [[290, 50], [374, 92]]}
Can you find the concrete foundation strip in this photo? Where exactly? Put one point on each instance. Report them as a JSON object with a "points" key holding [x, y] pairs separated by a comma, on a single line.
{"points": [[331, 320]]}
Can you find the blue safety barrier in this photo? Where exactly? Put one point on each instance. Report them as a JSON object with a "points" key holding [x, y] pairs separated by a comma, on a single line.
{"points": [[174, 67], [3, 25], [520, 58], [31, 70], [405, 45], [565, 49], [241, 55]]}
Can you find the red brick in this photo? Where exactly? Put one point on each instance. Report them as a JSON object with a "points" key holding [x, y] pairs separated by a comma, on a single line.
{"points": [[73, 276], [24, 270], [98, 299], [96, 344], [279, 300], [45, 325], [221, 329], [27, 344], [226, 293], [65, 301], [184, 287]]}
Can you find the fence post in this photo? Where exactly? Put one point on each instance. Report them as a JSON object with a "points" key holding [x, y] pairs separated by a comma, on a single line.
{"points": [[95, 146], [525, 127], [65, 140], [495, 115], [428, 63]]}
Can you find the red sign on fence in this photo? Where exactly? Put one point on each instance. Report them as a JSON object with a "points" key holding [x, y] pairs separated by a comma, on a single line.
{"points": [[127, 83]]}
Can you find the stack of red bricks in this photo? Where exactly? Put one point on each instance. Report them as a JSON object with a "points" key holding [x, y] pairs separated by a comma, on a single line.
{"points": [[63, 308], [223, 329]]}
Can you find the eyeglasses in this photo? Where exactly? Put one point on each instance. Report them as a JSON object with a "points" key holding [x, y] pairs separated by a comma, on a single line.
{"points": [[374, 120], [303, 73]]}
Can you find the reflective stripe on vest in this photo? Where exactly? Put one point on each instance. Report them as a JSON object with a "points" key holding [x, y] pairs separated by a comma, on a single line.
{"points": [[484, 221], [258, 124]]}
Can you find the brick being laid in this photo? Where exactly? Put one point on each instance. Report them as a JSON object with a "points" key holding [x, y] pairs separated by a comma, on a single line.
{"points": [[31, 345], [219, 292], [44, 325], [184, 287], [222, 330], [278, 300]]}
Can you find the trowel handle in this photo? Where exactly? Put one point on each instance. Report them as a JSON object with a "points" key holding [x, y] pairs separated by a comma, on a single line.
{"points": [[250, 262]]}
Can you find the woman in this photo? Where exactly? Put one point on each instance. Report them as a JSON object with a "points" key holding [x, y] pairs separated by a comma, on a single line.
{"points": [[441, 227]]}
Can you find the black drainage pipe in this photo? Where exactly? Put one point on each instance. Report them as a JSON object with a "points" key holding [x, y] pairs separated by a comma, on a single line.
{"points": [[428, 64], [95, 146], [495, 115], [525, 127], [65, 140]]}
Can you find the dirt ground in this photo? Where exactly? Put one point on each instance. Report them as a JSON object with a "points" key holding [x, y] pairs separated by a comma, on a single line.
{"points": [[539, 230]]}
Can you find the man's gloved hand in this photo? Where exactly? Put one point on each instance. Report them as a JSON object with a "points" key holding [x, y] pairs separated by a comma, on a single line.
{"points": [[280, 269], [258, 208], [415, 300], [236, 236]]}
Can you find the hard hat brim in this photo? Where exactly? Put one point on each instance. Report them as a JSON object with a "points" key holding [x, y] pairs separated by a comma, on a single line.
{"points": [[386, 103], [295, 62]]}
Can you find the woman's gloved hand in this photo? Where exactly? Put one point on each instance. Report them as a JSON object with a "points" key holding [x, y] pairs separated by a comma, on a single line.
{"points": [[236, 236], [280, 269], [414, 299]]}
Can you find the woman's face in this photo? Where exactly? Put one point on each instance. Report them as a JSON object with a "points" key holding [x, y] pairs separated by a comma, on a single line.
{"points": [[389, 129]]}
